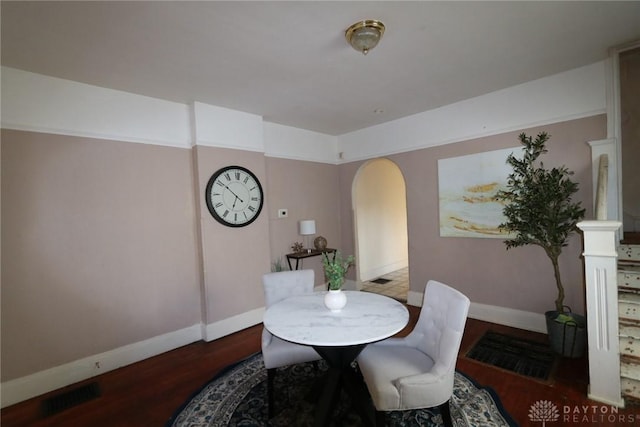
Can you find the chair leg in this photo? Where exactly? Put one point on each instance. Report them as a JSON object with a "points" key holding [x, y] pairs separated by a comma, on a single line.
{"points": [[445, 411], [271, 373]]}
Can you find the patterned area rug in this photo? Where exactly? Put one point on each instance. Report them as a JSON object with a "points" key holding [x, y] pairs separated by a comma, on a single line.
{"points": [[237, 397]]}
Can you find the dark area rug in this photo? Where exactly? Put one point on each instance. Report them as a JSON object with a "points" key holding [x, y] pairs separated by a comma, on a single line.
{"points": [[524, 357], [380, 281], [237, 397]]}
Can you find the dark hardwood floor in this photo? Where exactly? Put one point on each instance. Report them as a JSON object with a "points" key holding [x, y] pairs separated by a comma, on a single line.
{"points": [[631, 238], [147, 393]]}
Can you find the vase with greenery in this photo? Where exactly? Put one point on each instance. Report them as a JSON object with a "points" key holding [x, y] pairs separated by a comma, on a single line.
{"points": [[277, 265], [540, 210], [336, 268]]}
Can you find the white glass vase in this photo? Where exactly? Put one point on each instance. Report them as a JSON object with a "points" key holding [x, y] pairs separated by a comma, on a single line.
{"points": [[335, 300]]}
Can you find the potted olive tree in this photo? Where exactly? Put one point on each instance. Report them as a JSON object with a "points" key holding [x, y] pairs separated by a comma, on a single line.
{"points": [[539, 210]]}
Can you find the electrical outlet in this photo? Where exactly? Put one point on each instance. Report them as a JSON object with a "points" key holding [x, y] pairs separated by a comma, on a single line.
{"points": [[283, 213]]}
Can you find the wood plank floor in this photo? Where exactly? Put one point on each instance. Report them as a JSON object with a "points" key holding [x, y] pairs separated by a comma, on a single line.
{"points": [[147, 393]]}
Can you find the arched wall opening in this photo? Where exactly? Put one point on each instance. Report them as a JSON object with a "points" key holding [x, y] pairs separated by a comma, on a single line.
{"points": [[380, 219]]}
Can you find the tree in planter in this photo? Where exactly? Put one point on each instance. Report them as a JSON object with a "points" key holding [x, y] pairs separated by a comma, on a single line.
{"points": [[539, 209]]}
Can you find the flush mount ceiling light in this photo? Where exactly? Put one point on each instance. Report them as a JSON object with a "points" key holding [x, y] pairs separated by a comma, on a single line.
{"points": [[365, 35]]}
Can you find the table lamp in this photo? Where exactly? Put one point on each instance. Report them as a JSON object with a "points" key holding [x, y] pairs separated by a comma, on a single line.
{"points": [[306, 228]]}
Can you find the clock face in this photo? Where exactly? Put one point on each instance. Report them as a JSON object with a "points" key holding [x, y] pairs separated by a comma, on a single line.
{"points": [[234, 196]]}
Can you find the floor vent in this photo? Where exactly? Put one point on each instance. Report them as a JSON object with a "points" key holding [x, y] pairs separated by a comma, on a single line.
{"points": [[518, 355], [69, 399]]}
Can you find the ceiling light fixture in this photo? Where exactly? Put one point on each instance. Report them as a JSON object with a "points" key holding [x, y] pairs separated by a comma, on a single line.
{"points": [[365, 35]]}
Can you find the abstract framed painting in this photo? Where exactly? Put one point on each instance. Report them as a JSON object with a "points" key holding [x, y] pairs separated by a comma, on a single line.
{"points": [[467, 188]]}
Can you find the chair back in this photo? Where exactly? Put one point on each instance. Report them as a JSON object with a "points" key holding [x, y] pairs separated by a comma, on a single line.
{"points": [[438, 332], [283, 284]]}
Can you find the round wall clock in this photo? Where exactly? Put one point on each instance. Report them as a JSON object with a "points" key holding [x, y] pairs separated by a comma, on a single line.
{"points": [[234, 196]]}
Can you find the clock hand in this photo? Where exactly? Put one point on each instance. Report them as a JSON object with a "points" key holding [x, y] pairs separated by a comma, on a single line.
{"points": [[237, 198]]}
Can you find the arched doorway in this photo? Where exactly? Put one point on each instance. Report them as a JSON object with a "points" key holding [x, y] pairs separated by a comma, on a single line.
{"points": [[380, 225]]}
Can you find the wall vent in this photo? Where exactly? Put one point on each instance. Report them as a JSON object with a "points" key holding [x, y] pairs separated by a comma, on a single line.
{"points": [[70, 398]]}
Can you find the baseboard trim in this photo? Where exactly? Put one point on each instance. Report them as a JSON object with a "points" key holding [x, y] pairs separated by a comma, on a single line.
{"points": [[520, 319], [415, 298], [20, 389], [225, 327], [620, 403], [33, 385], [369, 275], [526, 320]]}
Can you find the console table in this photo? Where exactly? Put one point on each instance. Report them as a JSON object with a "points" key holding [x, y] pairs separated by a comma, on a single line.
{"points": [[307, 254]]}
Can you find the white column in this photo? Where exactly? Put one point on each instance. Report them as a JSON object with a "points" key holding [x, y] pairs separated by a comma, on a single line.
{"points": [[613, 199], [601, 257]]}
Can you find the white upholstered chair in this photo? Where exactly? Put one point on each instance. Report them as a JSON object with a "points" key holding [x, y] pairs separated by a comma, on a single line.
{"points": [[276, 352], [417, 371]]}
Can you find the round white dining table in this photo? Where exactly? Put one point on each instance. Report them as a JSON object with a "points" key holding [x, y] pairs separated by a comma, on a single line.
{"points": [[337, 336]]}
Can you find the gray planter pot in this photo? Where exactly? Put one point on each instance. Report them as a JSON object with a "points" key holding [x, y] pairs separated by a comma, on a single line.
{"points": [[567, 339]]}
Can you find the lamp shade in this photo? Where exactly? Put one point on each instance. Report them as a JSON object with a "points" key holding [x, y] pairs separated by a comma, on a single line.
{"points": [[307, 227]]}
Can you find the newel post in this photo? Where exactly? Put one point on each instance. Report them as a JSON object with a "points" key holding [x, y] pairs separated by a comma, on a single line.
{"points": [[600, 258]]}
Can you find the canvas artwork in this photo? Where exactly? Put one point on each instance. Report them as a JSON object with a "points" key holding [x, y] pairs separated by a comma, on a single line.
{"points": [[467, 186]]}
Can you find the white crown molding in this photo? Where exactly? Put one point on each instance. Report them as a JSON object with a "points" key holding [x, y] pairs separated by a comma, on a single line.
{"points": [[570, 95], [93, 135], [33, 102], [221, 127], [287, 142]]}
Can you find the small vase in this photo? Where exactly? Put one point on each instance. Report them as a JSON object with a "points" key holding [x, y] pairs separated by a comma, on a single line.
{"points": [[320, 243], [335, 300]]}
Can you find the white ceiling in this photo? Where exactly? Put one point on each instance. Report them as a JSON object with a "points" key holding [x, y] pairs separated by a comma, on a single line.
{"points": [[289, 62]]}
